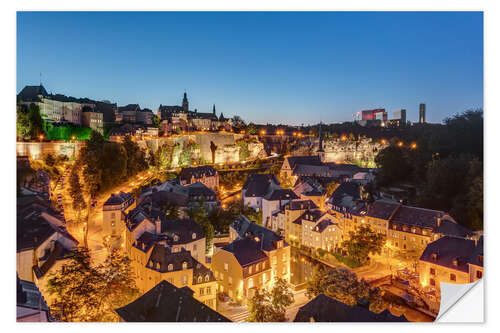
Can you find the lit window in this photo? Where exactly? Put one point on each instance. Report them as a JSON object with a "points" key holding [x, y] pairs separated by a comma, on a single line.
{"points": [[184, 279], [184, 265], [226, 267]]}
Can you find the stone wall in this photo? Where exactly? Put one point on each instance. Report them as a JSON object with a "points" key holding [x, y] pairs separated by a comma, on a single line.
{"points": [[35, 150], [364, 150]]}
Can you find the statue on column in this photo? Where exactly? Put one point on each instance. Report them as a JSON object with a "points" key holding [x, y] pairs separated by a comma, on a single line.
{"points": [[213, 148]]}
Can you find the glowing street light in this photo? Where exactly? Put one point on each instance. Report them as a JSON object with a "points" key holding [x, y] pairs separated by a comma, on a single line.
{"points": [[413, 146], [41, 137], [383, 141], [263, 132], [400, 144]]}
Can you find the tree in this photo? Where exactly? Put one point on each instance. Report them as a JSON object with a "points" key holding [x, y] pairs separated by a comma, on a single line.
{"points": [[29, 122], [393, 165], [344, 286], [362, 243], [136, 158], [171, 211], [252, 129], [156, 122], [76, 289], [331, 187], [200, 215], [76, 193], [49, 159], [87, 293], [271, 306]]}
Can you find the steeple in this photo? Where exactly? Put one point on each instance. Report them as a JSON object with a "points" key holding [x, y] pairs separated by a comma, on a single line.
{"points": [[185, 103], [320, 148], [213, 110]]}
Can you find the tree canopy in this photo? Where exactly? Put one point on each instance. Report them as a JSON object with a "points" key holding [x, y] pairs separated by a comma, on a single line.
{"points": [[270, 306]]}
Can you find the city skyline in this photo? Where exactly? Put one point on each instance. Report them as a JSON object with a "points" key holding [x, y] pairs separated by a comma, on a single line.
{"points": [[334, 64]]}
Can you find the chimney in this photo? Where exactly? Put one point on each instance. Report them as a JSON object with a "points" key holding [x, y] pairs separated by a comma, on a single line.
{"points": [[158, 225]]}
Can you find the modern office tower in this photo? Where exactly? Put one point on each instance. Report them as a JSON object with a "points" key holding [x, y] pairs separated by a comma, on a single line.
{"points": [[421, 118]]}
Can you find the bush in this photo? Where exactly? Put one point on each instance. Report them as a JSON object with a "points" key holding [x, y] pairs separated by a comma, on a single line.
{"points": [[350, 262]]}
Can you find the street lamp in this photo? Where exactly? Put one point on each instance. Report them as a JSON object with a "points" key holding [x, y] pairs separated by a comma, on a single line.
{"points": [[413, 146], [41, 137], [400, 144]]}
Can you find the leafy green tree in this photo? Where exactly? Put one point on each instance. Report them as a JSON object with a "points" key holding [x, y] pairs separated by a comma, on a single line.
{"points": [[157, 122], [344, 286], [271, 306], [252, 129], [92, 159], [362, 243], [244, 152]]}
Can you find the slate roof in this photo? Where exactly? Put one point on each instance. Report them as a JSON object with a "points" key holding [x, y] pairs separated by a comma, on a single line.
{"points": [[184, 228], [167, 303], [118, 199], [28, 296], [162, 197], [321, 226], [449, 248], [308, 160], [421, 217], [247, 251], [198, 189], [345, 195], [381, 209], [451, 228], [129, 107], [301, 204], [325, 309], [58, 253], [33, 229], [163, 255], [244, 227], [281, 194], [197, 172], [310, 170], [257, 185]]}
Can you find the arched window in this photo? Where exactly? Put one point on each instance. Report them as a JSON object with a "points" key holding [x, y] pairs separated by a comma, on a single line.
{"points": [[194, 235], [207, 278], [200, 279], [157, 266], [170, 267], [184, 265]]}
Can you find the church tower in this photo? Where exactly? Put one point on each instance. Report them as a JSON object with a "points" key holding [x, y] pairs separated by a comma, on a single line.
{"points": [[185, 103], [320, 151], [213, 110]]}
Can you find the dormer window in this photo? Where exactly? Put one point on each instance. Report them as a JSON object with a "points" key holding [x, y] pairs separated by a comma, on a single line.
{"points": [[170, 267], [455, 262], [194, 235], [200, 279], [434, 256], [176, 238], [157, 266], [207, 278]]}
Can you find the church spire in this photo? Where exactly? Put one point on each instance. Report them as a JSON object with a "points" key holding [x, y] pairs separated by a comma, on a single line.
{"points": [[320, 148], [185, 103], [213, 110]]}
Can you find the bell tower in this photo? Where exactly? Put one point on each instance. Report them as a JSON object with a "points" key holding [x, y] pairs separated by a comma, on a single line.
{"points": [[185, 103]]}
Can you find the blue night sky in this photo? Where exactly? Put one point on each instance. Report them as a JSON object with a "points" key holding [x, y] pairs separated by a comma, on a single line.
{"points": [[272, 67]]}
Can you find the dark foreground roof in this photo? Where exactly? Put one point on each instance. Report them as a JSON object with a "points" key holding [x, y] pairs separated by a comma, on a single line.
{"points": [[307, 160], [167, 303], [325, 309], [197, 172], [257, 185], [244, 227], [247, 251]]}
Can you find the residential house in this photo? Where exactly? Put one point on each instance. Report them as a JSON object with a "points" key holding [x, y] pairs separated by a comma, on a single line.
{"points": [[256, 187], [255, 257], [113, 213], [273, 202], [291, 162], [30, 304], [206, 175]]}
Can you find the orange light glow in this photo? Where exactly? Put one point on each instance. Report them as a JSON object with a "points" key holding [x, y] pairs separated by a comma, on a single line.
{"points": [[400, 144], [413, 146]]}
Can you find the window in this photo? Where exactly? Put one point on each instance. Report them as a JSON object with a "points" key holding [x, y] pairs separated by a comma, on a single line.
{"points": [[194, 235], [208, 291], [257, 267], [184, 279], [250, 283], [226, 267], [264, 278], [207, 278], [284, 270], [184, 265], [230, 280], [479, 274], [201, 291], [453, 277], [284, 257], [432, 282], [433, 271], [250, 269], [200, 279], [195, 247]]}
